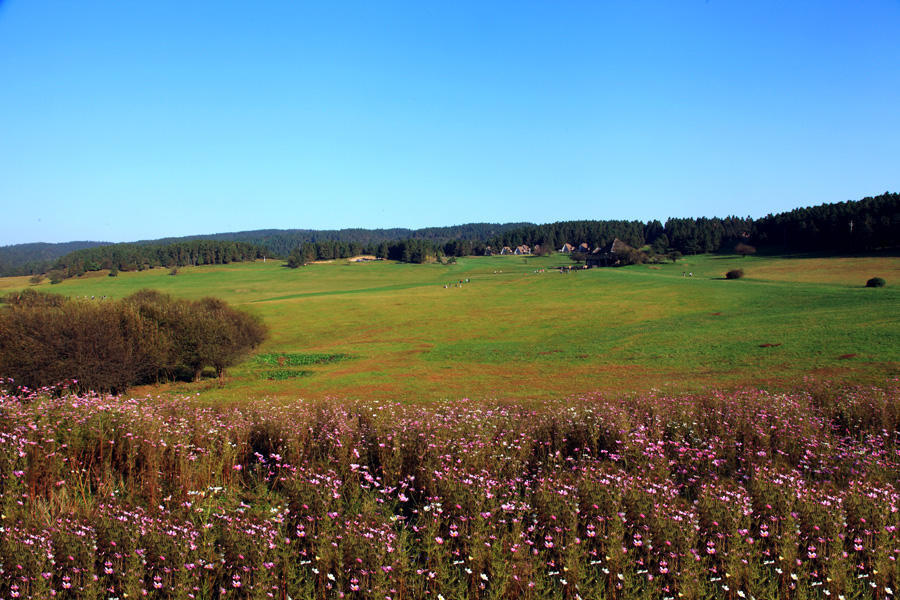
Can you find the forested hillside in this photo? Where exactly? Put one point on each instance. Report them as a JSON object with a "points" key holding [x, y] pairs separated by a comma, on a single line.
{"points": [[27, 259], [868, 224]]}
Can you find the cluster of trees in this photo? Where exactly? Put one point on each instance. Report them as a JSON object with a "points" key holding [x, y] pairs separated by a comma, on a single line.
{"points": [[698, 236], [110, 345], [554, 235], [409, 250]]}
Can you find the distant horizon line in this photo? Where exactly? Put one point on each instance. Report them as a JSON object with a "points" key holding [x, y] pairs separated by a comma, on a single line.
{"points": [[409, 229]]}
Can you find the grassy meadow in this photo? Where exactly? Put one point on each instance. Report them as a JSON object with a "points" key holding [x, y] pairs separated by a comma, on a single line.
{"points": [[519, 329]]}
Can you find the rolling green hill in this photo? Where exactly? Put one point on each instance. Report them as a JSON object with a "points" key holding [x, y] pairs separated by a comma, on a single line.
{"points": [[520, 329]]}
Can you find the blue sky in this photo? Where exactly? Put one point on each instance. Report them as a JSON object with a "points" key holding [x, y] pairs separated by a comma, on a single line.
{"points": [[122, 121]]}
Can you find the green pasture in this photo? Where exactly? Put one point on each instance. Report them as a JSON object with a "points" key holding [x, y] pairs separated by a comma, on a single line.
{"points": [[514, 332]]}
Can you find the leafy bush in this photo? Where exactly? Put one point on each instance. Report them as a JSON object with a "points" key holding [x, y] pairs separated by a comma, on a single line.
{"points": [[875, 282], [578, 257], [198, 334], [631, 257], [111, 345], [734, 274]]}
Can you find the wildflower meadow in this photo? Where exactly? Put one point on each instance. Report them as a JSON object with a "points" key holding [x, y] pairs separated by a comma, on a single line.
{"points": [[746, 494]]}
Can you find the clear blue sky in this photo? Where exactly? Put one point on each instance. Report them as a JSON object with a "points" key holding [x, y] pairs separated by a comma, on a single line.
{"points": [[132, 120]]}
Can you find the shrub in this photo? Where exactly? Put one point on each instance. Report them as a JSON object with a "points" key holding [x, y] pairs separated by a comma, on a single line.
{"points": [[734, 274], [744, 249], [109, 346], [33, 298], [631, 257], [81, 340], [875, 282], [36, 279]]}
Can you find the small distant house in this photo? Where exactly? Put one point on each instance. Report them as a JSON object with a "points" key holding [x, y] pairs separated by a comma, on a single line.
{"points": [[584, 248], [506, 250], [609, 255], [567, 248], [523, 249]]}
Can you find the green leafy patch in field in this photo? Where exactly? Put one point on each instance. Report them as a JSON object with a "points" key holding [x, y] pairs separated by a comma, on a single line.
{"points": [[282, 359], [283, 374]]}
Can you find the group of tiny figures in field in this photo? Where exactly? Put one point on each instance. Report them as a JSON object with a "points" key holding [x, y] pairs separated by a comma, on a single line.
{"points": [[687, 273], [459, 283], [572, 269]]}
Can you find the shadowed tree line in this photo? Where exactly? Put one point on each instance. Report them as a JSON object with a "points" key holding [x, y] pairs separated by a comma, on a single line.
{"points": [[110, 345], [869, 224]]}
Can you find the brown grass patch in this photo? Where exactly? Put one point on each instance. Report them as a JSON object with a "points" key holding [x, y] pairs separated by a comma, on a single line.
{"points": [[767, 345], [846, 356], [836, 270]]}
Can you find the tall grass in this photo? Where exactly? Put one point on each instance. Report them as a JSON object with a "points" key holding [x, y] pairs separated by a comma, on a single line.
{"points": [[744, 494]]}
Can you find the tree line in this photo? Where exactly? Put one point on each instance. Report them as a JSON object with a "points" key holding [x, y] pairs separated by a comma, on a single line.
{"points": [[110, 345], [854, 226], [137, 257]]}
